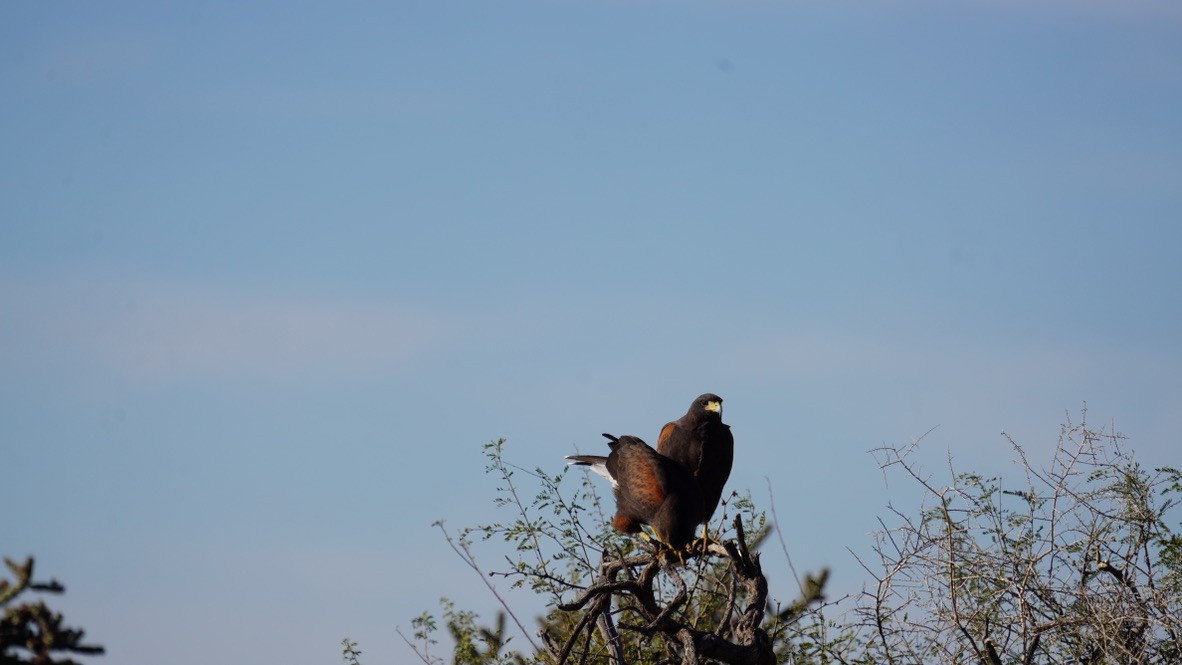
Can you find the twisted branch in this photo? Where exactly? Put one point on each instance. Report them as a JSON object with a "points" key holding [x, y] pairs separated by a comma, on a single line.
{"points": [[749, 644]]}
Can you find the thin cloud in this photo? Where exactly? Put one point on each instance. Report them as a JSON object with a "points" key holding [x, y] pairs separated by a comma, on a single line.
{"points": [[163, 332], [973, 388], [97, 57], [970, 370], [315, 102]]}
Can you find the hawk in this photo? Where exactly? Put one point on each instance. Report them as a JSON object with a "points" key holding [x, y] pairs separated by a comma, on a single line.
{"points": [[700, 442], [650, 489]]}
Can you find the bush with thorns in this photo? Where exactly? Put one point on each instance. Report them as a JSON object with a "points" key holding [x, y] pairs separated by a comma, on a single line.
{"points": [[1075, 563]]}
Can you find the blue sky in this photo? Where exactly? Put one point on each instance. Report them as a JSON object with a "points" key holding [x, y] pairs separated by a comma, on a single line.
{"points": [[270, 275]]}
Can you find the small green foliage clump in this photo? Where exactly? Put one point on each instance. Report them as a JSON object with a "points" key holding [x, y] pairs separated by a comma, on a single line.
{"points": [[30, 632]]}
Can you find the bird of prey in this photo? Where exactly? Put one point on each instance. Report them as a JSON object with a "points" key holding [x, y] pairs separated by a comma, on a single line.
{"points": [[703, 444], [649, 489]]}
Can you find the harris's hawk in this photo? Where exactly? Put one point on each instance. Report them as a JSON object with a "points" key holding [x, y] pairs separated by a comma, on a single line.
{"points": [[649, 489], [703, 444]]}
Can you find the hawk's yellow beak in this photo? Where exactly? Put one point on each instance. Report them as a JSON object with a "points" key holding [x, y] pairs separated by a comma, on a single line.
{"points": [[716, 407]]}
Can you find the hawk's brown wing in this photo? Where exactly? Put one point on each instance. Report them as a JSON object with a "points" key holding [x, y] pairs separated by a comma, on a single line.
{"points": [[655, 490]]}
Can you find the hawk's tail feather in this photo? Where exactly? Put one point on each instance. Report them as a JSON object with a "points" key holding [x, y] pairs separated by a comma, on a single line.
{"points": [[597, 463], [586, 460]]}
